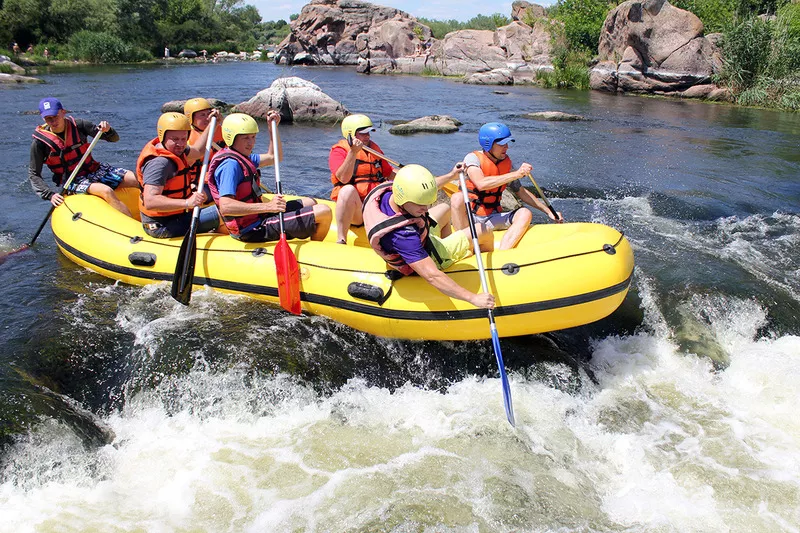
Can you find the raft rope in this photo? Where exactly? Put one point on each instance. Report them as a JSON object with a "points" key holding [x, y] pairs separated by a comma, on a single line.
{"points": [[166, 243]]}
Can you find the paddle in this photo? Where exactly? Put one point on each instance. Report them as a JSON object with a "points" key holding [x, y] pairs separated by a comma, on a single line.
{"points": [[543, 197], [52, 207], [492, 326], [378, 154], [286, 267], [183, 278]]}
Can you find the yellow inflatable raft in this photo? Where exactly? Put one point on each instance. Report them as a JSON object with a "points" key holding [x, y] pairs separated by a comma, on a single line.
{"points": [[559, 276]]}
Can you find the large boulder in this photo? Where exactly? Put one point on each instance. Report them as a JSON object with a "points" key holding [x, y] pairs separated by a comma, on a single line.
{"points": [[650, 46], [343, 32], [297, 100], [382, 40]]}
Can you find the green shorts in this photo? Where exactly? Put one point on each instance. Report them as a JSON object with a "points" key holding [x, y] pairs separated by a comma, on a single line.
{"points": [[451, 249]]}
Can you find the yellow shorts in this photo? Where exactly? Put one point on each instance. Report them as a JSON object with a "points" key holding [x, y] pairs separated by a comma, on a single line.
{"points": [[451, 249]]}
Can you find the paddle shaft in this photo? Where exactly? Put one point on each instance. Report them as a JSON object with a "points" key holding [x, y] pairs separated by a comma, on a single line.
{"points": [[66, 185], [543, 197], [485, 287], [378, 154], [183, 278], [278, 189], [201, 181]]}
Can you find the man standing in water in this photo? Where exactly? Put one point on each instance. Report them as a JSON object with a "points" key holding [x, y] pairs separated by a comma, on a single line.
{"points": [[60, 144]]}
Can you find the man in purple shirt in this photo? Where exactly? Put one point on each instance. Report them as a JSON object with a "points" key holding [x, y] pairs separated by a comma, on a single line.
{"points": [[413, 239]]}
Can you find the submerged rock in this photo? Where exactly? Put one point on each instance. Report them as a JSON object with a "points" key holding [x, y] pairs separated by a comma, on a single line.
{"points": [[553, 116], [16, 78], [429, 124]]}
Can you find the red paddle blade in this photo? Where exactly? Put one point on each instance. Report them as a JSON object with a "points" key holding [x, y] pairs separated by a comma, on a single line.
{"points": [[288, 276]]}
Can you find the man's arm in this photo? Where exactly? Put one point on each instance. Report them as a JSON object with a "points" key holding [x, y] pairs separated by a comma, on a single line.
{"points": [[427, 269], [38, 155], [231, 207], [483, 183], [90, 129], [527, 197]]}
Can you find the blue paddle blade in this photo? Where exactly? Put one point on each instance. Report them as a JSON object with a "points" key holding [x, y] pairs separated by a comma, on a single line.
{"points": [[503, 377]]}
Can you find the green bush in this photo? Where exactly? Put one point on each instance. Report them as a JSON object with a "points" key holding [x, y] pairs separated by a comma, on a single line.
{"points": [[583, 20], [440, 28], [715, 14], [6, 69], [746, 50], [102, 47]]}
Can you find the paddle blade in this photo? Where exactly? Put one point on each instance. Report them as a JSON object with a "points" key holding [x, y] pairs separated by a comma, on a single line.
{"points": [[503, 377], [288, 273], [5, 255], [183, 278]]}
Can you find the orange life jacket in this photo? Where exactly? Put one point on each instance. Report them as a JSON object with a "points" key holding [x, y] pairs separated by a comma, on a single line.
{"points": [[367, 172], [179, 185], [377, 224], [248, 190], [486, 202], [195, 134], [66, 153]]}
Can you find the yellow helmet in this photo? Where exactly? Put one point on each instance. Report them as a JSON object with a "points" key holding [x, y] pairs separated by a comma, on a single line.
{"points": [[172, 121], [414, 183], [194, 105], [237, 124], [352, 123]]}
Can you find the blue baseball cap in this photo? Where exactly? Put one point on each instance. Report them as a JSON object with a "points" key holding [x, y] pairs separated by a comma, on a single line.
{"points": [[49, 107]]}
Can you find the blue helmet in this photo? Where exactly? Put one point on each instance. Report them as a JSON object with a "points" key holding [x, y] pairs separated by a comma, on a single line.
{"points": [[493, 132]]}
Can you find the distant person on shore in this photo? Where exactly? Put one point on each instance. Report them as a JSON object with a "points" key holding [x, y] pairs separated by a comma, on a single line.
{"points": [[46, 53], [60, 144], [166, 52], [354, 172], [164, 170], [235, 181], [489, 172], [15, 48], [30, 49], [415, 240]]}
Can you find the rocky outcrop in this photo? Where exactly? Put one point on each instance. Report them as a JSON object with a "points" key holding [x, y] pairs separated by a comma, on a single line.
{"points": [[350, 32], [17, 73], [429, 124], [16, 78], [525, 11], [297, 100], [382, 40], [650, 46]]}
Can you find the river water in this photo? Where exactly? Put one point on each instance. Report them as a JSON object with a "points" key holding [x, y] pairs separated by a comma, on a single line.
{"points": [[673, 414]]}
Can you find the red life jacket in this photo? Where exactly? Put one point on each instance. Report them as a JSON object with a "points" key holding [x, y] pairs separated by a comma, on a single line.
{"points": [[486, 202], [248, 190], [67, 152], [179, 185], [367, 172], [377, 224]]}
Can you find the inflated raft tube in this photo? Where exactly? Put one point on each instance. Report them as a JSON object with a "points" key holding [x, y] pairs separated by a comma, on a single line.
{"points": [[559, 276]]}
